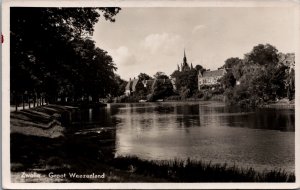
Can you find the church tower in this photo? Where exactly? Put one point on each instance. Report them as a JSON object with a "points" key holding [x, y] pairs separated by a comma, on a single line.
{"points": [[185, 66]]}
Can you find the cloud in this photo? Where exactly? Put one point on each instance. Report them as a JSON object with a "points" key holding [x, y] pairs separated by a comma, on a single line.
{"points": [[164, 42], [198, 28], [123, 56]]}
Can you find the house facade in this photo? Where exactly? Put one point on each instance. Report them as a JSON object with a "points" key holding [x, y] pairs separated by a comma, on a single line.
{"points": [[210, 78]]}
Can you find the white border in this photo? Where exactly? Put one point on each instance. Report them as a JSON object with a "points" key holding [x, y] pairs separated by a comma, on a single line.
{"points": [[7, 184]]}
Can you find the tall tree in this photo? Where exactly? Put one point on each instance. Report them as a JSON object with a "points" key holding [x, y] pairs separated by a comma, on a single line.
{"points": [[266, 55], [232, 62], [144, 76], [228, 80], [160, 75], [43, 50]]}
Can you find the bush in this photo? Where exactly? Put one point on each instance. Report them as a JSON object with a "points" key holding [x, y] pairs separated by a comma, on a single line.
{"points": [[184, 93], [174, 98], [198, 94], [207, 95]]}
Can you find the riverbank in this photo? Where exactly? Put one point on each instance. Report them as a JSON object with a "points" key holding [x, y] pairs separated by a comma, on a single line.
{"points": [[282, 104], [43, 121]]}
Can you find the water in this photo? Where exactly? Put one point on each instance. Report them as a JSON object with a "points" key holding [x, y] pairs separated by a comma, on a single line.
{"points": [[207, 131]]}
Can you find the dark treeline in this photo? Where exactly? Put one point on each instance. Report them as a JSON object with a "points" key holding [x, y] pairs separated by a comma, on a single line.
{"points": [[53, 57]]}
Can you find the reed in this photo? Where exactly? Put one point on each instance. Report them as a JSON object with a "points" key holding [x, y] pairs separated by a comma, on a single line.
{"points": [[198, 171]]}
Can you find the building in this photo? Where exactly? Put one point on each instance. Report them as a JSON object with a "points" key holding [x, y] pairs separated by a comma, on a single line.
{"points": [[210, 78], [131, 86]]}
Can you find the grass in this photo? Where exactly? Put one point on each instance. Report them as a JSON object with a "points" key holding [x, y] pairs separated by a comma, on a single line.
{"points": [[198, 171]]}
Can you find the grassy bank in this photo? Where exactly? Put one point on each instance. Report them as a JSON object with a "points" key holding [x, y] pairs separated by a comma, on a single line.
{"points": [[43, 121], [198, 171]]}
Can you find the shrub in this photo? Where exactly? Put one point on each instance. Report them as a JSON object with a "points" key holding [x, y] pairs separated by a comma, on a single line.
{"points": [[174, 98]]}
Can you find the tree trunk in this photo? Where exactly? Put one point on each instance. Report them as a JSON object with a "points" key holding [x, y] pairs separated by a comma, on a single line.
{"points": [[16, 102], [23, 102], [28, 100]]}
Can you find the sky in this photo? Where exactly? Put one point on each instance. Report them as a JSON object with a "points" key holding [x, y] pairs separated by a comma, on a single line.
{"points": [[148, 40]]}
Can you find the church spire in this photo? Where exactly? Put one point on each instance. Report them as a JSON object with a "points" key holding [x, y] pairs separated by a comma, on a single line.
{"points": [[184, 58]]}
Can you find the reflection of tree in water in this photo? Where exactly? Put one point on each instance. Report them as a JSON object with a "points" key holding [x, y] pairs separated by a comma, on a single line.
{"points": [[189, 115], [162, 109], [273, 119]]}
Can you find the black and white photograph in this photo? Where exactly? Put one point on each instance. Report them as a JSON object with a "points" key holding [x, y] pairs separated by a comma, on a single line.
{"points": [[150, 94]]}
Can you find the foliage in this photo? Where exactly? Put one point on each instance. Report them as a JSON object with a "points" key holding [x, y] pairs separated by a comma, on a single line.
{"points": [[52, 54], [144, 76], [184, 92], [228, 80], [174, 98], [118, 87], [262, 55], [200, 68], [231, 62], [198, 171], [261, 78], [140, 89], [186, 82], [160, 75], [162, 88], [291, 85]]}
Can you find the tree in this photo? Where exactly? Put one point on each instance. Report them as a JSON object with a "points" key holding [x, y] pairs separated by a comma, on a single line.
{"points": [[264, 55], [228, 80], [199, 67], [237, 70], [261, 78], [162, 89], [187, 80], [291, 85], [160, 75], [144, 76], [44, 52], [232, 62], [118, 87]]}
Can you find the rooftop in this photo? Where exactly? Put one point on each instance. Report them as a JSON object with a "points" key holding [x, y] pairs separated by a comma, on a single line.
{"points": [[215, 73]]}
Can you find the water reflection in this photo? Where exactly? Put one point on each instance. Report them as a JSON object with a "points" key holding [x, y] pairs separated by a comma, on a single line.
{"points": [[207, 131]]}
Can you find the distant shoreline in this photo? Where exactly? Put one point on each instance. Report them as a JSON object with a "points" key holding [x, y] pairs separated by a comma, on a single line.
{"points": [[281, 104]]}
